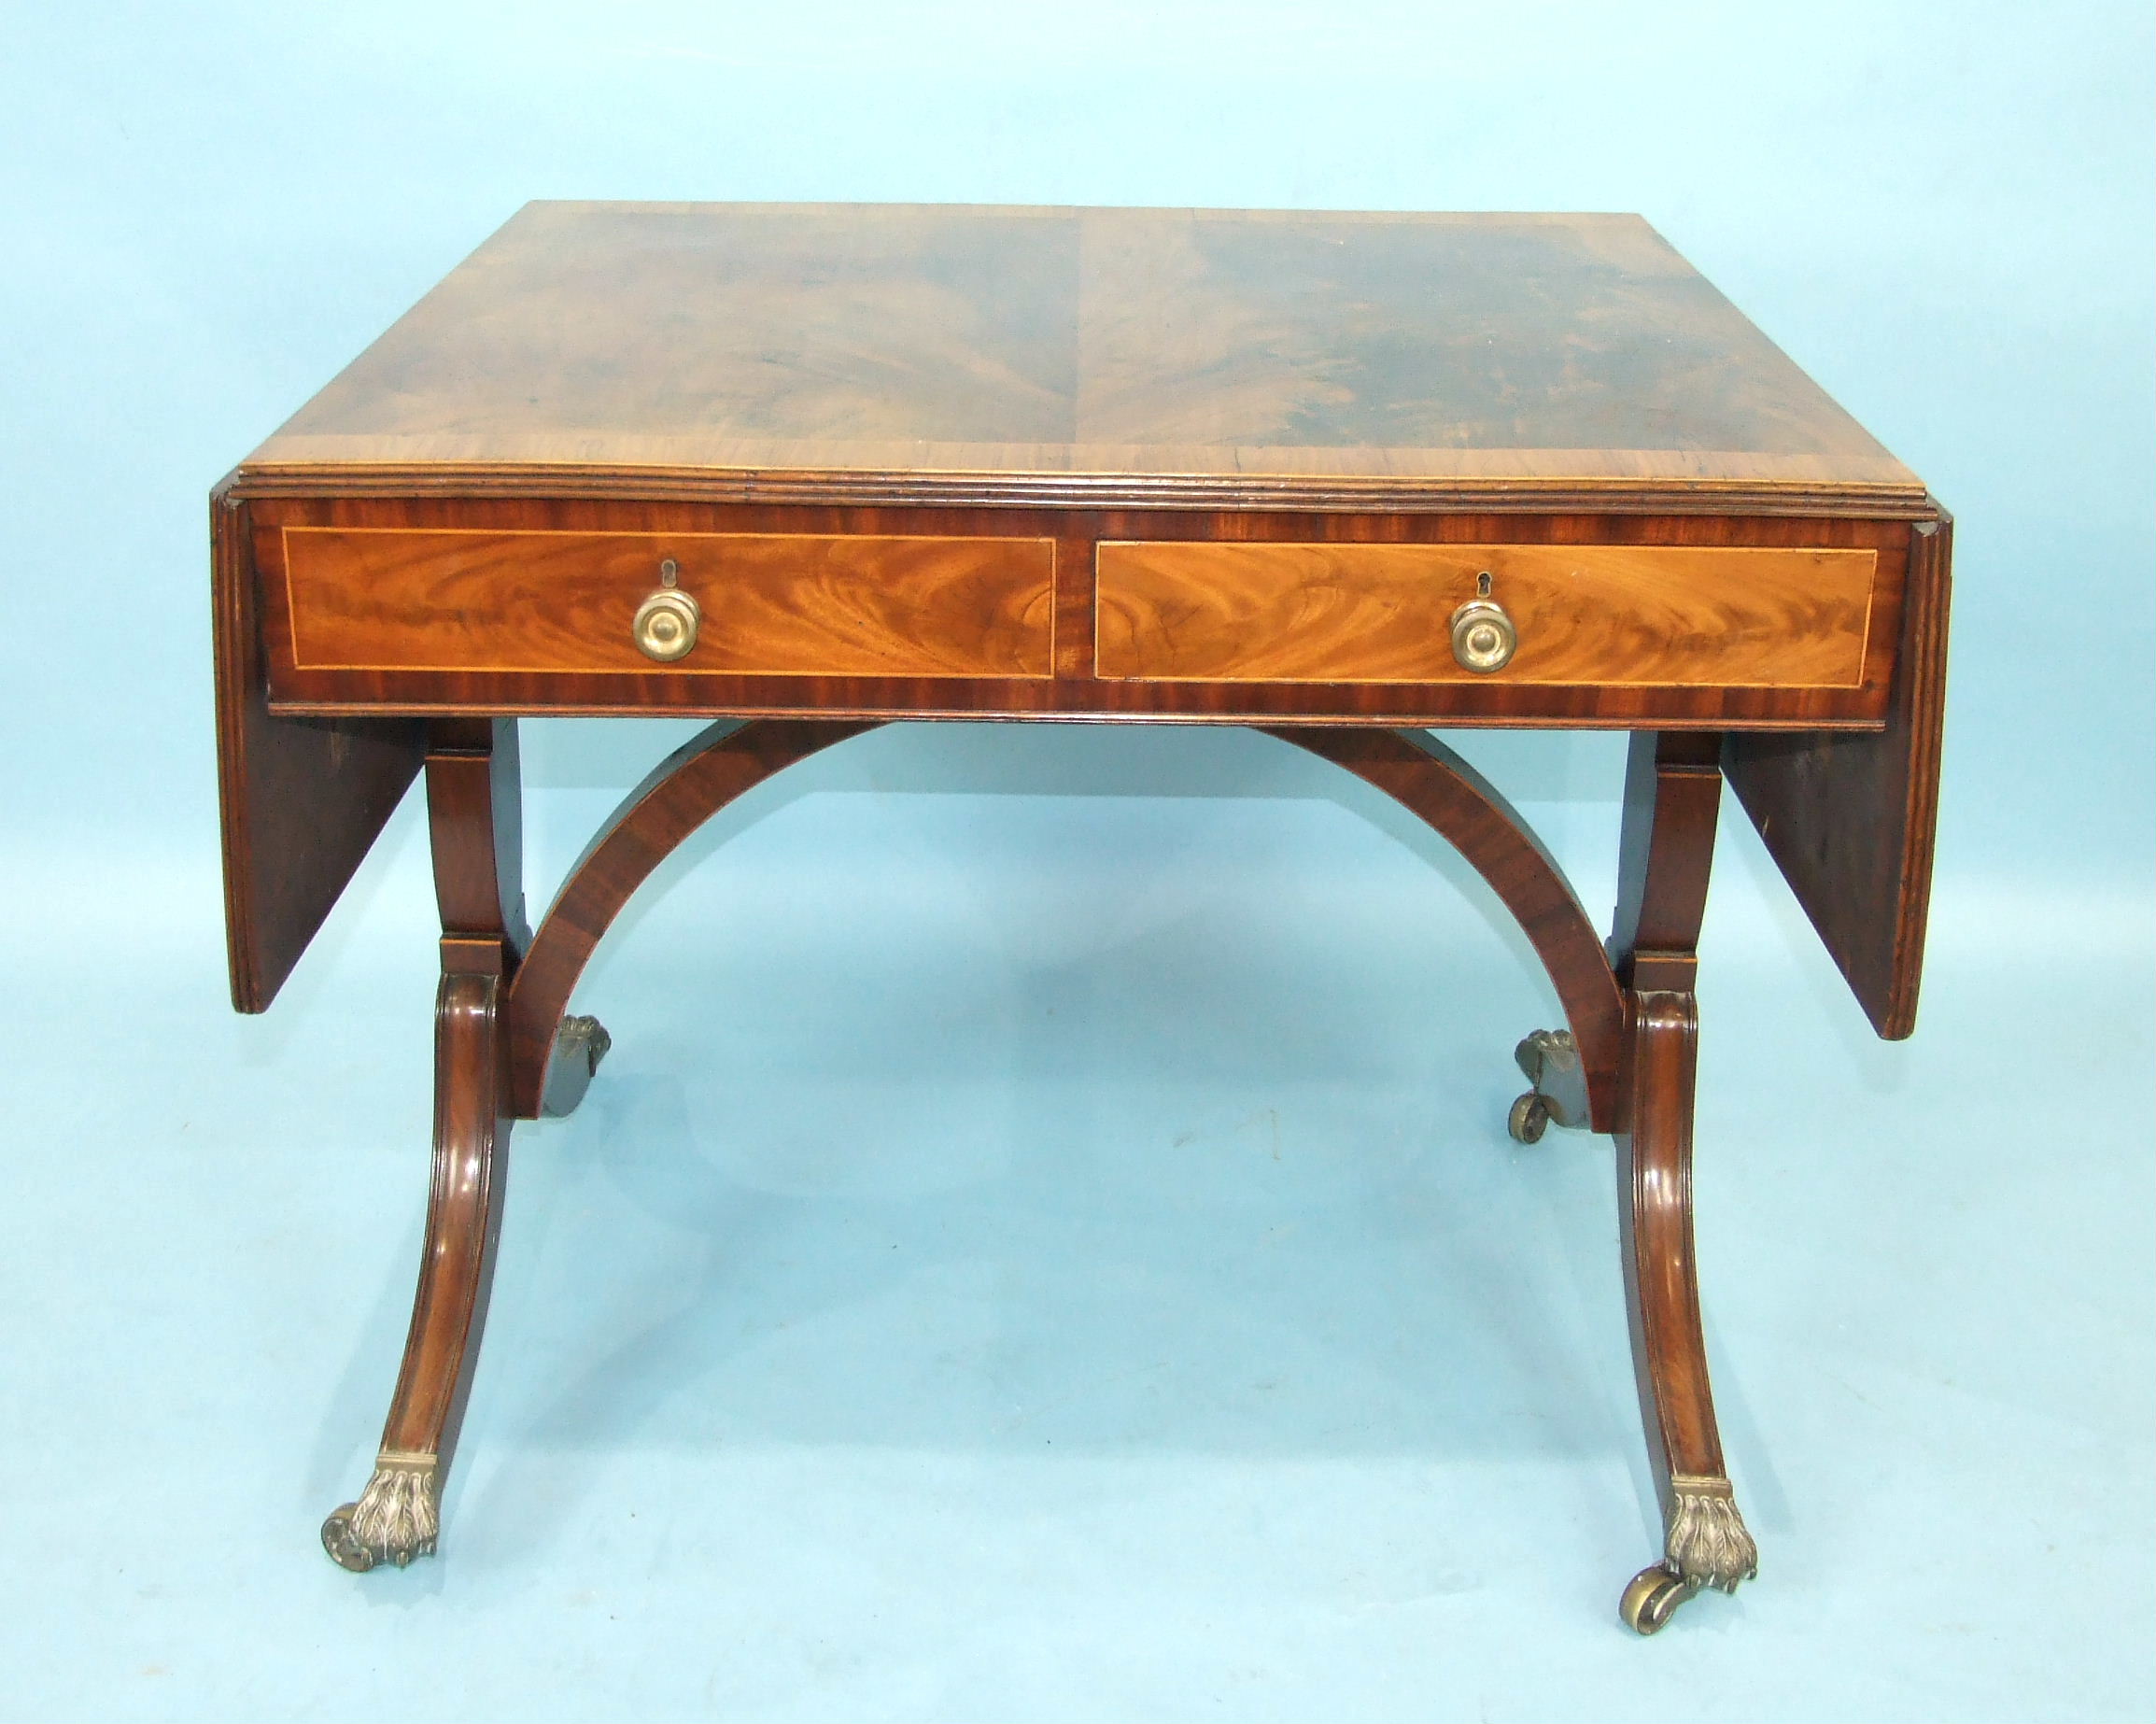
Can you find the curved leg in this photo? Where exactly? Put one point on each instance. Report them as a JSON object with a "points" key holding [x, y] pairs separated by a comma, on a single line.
{"points": [[682, 792], [1672, 790], [1705, 1543], [474, 819], [397, 1516], [1434, 783]]}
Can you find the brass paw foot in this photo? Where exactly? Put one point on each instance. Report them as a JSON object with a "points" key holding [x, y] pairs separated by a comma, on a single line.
{"points": [[1550, 1060], [396, 1519], [1708, 1542], [1707, 1546], [578, 1047]]}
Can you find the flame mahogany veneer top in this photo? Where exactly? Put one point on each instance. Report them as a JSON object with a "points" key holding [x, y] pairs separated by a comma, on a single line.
{"points": [[1110, 356]]}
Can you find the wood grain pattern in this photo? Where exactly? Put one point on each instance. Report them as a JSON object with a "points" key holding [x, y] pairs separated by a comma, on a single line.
{"points": [[772, 604], [1071, 691], [1434, 783], [1095, 357], [1586, 615], [1851, 821], [301, 801]]}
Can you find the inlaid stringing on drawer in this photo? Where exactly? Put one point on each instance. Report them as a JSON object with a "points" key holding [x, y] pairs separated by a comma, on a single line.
{"points": [[1671, 615], [774, 604]]}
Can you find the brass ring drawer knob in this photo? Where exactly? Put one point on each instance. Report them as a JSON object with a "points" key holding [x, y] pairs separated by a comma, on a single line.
{"points": [[1482, 636], [666, 623]]}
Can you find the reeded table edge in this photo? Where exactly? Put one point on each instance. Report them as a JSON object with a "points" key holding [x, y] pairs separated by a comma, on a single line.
{"points": [[1404, 493]]}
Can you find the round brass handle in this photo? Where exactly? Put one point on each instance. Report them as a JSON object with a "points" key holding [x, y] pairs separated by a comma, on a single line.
{"points": [[666, 625], [1482, 636]]}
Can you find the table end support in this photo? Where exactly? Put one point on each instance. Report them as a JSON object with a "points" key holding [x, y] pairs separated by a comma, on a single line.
{"points": [[1672, 795], [474, 817]]}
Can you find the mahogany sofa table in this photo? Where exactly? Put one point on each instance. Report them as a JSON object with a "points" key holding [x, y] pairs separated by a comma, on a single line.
{"points": [[805, 469]]}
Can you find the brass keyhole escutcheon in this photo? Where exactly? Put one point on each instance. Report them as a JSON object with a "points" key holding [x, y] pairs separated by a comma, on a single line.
{"points": [[1482, 636], [666, 622]]}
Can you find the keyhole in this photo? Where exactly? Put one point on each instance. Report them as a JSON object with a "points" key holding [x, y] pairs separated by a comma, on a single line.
{"points": [[668, 573], [1482, 584]]}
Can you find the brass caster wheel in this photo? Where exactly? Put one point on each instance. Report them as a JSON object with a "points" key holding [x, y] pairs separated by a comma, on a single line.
{"points": [[345, 1550], [1652, 1599], [1528, 1119]]}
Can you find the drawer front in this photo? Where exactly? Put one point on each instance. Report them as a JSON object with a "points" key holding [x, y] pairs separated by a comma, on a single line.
{"points": [[772, 604], [1668, 615]]}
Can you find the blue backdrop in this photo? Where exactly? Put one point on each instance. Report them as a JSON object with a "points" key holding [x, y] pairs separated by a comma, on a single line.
{"points": [[1045, 1246]]}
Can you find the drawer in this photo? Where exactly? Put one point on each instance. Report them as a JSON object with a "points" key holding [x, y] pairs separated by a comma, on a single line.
{"points": [[1668, 615], [771, 605]]}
